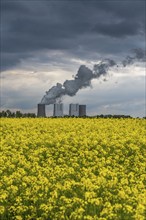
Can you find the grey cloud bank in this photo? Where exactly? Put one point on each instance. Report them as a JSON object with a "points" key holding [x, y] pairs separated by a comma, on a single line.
{"points": [[30, 26]]}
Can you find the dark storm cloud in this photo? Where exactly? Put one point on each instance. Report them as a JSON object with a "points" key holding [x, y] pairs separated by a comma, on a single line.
{"points": [[32, 26], [120, 29]]}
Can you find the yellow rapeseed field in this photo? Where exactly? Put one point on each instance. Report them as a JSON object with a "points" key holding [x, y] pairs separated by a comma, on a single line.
{"points": [[55, 169]]}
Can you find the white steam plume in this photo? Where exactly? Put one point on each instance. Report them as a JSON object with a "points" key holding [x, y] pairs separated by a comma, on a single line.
{"points": [[84, 76]]}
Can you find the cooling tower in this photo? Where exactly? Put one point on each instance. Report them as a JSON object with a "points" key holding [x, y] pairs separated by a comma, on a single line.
{"points": [[41, 110], [74, 110], [58, 110], [82, 110]]}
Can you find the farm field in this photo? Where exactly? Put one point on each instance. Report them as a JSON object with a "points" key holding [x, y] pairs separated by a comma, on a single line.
{"points": [[61, 169]]}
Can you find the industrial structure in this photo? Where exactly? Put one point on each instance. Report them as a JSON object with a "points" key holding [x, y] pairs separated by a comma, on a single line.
{"points": [[41, 110], [74, 109], [82, 110], [58, 110]]}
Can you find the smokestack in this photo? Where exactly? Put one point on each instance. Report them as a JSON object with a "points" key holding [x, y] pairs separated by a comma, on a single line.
{"points": [[82, 110], [74, 110], [58, 110], [41, 110]]}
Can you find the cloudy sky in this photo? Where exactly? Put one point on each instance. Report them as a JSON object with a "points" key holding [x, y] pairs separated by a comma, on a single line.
{"points": [[45, 42]]}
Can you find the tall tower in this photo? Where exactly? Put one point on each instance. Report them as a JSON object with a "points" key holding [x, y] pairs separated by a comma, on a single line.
{"points": [[82, 110], [41, 110], [58, 110], [74, 109]]}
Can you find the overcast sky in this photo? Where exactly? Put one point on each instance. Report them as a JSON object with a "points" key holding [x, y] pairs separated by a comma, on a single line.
{"points": [[44, 42]]}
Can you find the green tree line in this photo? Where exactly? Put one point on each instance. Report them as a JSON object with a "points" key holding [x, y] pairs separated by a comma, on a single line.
{"points": [[17, 114]]}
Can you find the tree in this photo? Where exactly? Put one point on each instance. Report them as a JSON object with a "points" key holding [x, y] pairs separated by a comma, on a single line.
{"points": [[18, 114]]}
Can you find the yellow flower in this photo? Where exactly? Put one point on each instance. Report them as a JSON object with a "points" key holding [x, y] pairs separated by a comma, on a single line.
{"points": [[72, 169], [2, 210]]}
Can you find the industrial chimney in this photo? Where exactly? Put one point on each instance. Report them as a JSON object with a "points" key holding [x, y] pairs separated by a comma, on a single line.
{"points": [[74, 109], [58, 110], [82, 110], [41, 110]]}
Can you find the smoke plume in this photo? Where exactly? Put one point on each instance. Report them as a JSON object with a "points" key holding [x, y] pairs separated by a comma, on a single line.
{"points": [[84, 76], [138, 55]]}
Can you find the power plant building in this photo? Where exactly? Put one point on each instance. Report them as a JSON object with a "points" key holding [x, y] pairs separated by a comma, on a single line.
{"points": [[58, 110], [82, 110], [41, 110], [74, 110]]}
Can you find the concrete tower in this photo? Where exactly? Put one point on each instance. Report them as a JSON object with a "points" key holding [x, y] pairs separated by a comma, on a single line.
{"points": [[58, 110], [41, 110], [82, 110], [74, 109]]}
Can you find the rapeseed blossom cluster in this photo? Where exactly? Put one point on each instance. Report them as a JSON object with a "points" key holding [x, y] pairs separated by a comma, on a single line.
{"points": [[61, 169]]}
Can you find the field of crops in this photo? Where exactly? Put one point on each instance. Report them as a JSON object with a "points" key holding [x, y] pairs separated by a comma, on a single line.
{"points": [[55, 169]]}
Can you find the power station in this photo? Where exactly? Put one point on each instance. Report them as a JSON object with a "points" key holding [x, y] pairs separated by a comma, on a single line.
{"points": [[58, 110], [74, 110], [82, 110], [41, 110]]}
